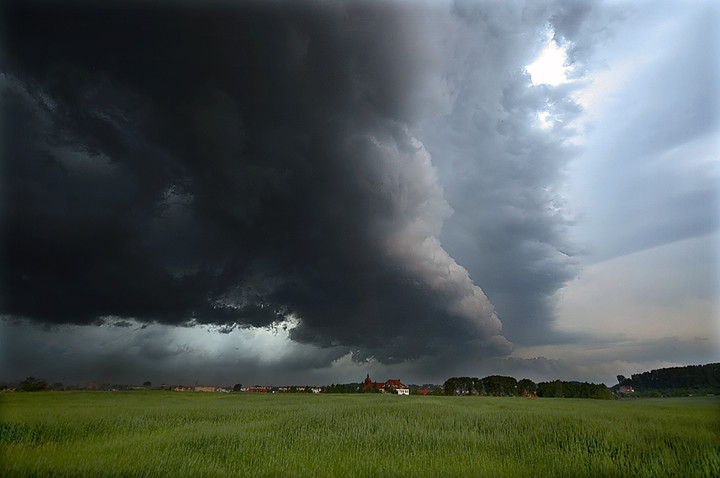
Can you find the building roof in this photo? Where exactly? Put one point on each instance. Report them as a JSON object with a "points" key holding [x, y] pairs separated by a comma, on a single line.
{"points": [[392, 383]]}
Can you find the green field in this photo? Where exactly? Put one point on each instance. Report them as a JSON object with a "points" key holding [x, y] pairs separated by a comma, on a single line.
{"points": [[159, 433]]}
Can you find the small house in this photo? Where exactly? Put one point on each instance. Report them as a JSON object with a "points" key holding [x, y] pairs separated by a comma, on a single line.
{"points": [[389, 385]]}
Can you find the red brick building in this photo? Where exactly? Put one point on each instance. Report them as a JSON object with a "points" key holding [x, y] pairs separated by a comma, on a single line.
{"points": [[391, 384]]}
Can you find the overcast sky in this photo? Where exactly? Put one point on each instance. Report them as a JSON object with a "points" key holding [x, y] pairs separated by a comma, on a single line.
{"points": [[306, 192]]}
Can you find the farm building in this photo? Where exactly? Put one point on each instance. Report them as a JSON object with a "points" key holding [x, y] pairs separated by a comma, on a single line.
{"points": [[396, 385]]}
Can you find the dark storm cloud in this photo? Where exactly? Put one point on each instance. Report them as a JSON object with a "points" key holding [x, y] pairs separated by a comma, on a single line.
{"points": [[230, 165]]}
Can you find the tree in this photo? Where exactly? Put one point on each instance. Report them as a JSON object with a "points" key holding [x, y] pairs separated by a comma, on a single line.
{"points": [[434, 389], [526, 386], [147, 384], [450, 385], [600, 391], [500, 386], [550, 389], [32, 384], [570, 390], [458, 386], [237, 387]]}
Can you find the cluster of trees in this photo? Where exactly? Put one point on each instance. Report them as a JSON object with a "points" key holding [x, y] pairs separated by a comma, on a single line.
{"points": [[502, 386], [342, 388], [674, 381], [32, 384], [295, 389], [493, 385], [560, 389]]}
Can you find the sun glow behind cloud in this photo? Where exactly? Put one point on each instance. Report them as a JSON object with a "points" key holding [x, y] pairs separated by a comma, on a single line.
{"points": [[549, 67]]}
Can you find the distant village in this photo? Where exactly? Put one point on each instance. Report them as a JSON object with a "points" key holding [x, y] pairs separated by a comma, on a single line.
{"points": [[389, 386], [691, 380], [494, 385], [392, 386]]}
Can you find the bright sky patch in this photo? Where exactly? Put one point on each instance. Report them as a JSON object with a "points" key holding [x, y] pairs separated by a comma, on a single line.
{"points": [[549, 67]]}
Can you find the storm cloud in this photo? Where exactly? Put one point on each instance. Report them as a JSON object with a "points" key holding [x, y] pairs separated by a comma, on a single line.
{"points": [[231, 165], [323, 189]]}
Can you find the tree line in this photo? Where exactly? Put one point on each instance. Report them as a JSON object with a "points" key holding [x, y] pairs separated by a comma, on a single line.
{"points": [[561, 389], [493, 385], [674, 381], [503, 386]]}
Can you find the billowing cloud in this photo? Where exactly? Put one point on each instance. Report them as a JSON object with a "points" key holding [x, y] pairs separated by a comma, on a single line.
{"points": [[382, 181], [232, 166], [502, 166]]}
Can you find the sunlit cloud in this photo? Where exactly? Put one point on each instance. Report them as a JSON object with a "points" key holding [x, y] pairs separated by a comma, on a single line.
{"points": [[550, 67]]}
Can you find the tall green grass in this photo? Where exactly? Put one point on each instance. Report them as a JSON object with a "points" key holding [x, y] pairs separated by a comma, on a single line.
{"points": [[205, 434]]}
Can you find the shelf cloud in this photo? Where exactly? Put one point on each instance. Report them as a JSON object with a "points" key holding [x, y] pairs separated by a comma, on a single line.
{"points": [[231, 166], [323, 186]]}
